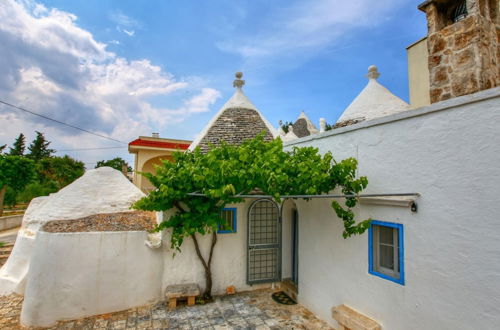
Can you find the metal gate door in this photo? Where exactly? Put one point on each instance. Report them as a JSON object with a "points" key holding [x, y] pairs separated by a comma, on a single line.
{"points": [[264, 243]]}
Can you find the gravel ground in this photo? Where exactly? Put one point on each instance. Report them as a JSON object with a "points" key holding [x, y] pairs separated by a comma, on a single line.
{"points": [[123, 221]]}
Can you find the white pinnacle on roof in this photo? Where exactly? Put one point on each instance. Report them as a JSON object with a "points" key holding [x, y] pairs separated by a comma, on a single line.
{"points": [[374, 101], [290, 136], [238, 101]]}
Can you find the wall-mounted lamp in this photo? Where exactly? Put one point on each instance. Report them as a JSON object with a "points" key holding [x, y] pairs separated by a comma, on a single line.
{"points": [[392, 201]]}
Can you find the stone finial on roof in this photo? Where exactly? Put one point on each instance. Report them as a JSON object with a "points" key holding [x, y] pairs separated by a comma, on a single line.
{"points": [[238, 82], [373, 72]]}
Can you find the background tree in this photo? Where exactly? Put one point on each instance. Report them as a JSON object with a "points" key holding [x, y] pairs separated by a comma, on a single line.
{"points": [[15, 172], [19, 146], [116, 163], [2, 147], [226, 171], [284, 126], [39, 148], [60, 170]]}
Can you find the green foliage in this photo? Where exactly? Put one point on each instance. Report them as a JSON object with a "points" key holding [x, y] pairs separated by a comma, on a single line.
{"points": [[49, 173], [36, 189], [10, 198], [284, 126], [2, 244], [227, 170], [19, 146], [52, 174], [15, 171], [60, 171], [39, 148], [116, 163]]}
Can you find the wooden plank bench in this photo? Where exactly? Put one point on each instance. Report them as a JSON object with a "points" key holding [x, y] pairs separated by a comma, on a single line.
{"points": [[182, 291], [349, 319]]}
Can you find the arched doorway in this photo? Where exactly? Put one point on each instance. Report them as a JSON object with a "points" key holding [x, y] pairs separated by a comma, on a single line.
{"points": [[264, 242], [149, 167]]}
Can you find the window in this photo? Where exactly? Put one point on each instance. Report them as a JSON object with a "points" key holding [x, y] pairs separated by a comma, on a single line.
{"points": [[386, 251], [229, 223], [459, 12]]}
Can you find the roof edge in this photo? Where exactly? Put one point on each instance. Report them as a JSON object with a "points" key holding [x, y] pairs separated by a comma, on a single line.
{"points": [[484, 95]]}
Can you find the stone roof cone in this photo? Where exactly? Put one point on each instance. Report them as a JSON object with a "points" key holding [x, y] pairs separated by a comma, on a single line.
{"points": [[303, 126], [374, 101], [238, 120]]}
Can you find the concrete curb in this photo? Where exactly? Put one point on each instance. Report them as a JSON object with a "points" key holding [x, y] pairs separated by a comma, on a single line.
{"points": [[11, 221]]}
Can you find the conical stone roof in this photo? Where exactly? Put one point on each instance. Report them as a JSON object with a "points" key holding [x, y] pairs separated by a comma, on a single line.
{"points": [[303, 126], [238, 120], [374, 101]]}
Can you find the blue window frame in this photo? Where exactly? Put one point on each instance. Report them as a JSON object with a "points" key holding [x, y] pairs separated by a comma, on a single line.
{"points": [[386, 251], [229, 224]]}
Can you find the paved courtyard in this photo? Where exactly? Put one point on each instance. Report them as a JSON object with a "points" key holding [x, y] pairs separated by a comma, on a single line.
{"points": [[249, 310]]}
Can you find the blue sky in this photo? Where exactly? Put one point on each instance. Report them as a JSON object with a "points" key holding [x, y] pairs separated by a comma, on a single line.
{"points": [[129, 68]]}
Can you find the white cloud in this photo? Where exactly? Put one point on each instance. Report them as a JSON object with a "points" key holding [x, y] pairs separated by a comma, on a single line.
{"points": [[123, 20], [130, 33], [202, 101], [307, 27], [50, 65], [125, 24]]}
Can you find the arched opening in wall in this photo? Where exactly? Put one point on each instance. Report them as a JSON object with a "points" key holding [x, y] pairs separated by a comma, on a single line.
{"points": [[290, 247], [149, 167], [264, 242]]}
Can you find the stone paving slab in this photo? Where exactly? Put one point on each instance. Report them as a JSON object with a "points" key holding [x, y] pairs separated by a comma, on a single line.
{"points": [[247, 310]]}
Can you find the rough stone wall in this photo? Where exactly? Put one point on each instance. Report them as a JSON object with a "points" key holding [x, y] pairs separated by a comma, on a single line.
{"points": [[235, 126], [463, 56]]}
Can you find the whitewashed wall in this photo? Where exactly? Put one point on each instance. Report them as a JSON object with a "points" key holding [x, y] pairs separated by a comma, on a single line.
{"points": [[450, 153], [73, 275], [228, 264]]}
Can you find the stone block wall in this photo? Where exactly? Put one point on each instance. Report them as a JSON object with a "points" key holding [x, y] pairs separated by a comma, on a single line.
{"points": [[463, 56], [234, 126]]}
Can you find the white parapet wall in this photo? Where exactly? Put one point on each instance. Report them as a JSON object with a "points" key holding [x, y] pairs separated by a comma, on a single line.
{"points": [[73, 275], [448, 152]]}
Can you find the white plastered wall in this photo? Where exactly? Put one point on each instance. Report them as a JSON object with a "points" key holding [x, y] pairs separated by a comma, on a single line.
{"points": [[73, 275], [229, 262], [449, 152]]}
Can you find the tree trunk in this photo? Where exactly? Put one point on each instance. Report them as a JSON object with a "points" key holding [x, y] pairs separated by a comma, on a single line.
{"points": [[2, 196], [206, 264]]}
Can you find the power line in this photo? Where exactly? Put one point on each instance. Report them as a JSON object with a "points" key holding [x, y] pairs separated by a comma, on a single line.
{"points": [[60, 122], [80, 149]]}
